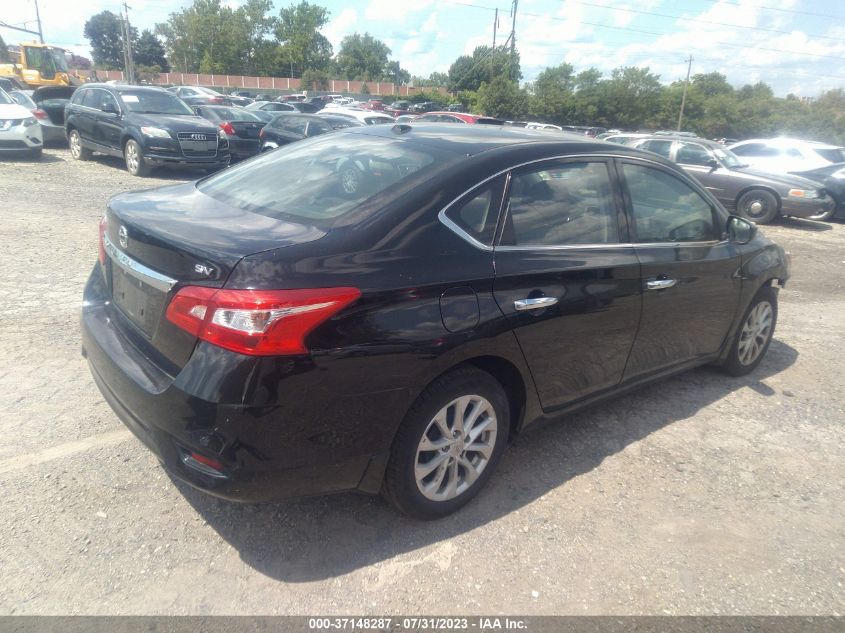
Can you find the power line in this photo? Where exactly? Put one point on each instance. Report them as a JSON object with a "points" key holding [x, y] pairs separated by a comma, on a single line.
{"points": [[795, 11]]}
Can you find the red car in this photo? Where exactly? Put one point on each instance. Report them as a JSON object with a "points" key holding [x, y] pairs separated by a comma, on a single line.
{"points": [[457, 117], [373, 104]]}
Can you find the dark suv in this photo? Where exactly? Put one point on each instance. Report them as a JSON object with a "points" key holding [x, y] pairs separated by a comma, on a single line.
{"points": [[148, 127]]}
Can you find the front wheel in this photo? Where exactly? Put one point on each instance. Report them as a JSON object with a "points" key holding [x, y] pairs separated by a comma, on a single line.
{"points": [[134, 156], [448, 445], [754, 334], [758, 205]]}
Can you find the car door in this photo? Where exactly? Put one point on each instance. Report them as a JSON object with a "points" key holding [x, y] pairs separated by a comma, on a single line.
{"points": [[701, 164], [689, 268], [85, 110], [567, 278], [107, 122]]}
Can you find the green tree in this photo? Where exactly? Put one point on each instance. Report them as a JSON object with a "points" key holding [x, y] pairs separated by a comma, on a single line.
{"points": [[362, 58], [468, 72], [301, 45], [503, 98], [629, 98], [4, 52], [150, 52], [711, 84], [552, 94], [395, 73], [105, 33]]}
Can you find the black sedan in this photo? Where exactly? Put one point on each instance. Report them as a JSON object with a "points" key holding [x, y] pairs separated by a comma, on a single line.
{"points": [[832, 178], [240, 127], [268, 333], [754, 194], [287, 128]]}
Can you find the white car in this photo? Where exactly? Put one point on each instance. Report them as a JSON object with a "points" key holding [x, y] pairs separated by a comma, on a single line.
{"points": [[542, 126], [787, 155], [367, 117], [19, 130]]}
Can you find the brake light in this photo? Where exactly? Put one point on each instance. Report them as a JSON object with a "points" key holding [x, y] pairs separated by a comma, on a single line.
{"points": [[104, 225], [261, 133], [38, 113], [215, 100], [257, 322], [227, 128]]}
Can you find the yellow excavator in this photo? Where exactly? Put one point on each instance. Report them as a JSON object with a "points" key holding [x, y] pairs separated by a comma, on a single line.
{"points": [[39, 65]]}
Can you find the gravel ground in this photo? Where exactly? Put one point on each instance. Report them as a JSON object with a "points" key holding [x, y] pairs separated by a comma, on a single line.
{"points": [[701, 495]]}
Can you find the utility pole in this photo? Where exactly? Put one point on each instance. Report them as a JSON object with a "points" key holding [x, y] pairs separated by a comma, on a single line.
{"points": [[493, 56], [38, 19], [684, 98], [127, 41], [513, 38]]}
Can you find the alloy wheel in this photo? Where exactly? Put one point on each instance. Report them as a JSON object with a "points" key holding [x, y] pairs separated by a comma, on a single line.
{"points": [[755, 333], [132, 157], [455, 448], [75, 146]]}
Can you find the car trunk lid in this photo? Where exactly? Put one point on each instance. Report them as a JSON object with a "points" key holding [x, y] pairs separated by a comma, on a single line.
{"points": [[160, 240], [247, 129]]}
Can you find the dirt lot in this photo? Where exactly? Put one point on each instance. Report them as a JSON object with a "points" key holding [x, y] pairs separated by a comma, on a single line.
{"points": [[701, 495]]}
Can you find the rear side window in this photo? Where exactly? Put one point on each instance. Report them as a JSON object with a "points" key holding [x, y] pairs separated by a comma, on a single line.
{"points": [[693, 154], [755, 149], [561, 205], [477, 214], [666, 209], [658, 147], [293, 124], [92, 99]]}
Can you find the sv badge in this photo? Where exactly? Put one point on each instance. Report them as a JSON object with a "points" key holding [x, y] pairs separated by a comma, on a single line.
{"points": [[202, 269]]}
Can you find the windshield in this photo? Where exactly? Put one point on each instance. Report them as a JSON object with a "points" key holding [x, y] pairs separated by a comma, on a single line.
{"points": [[322, 178], [728, 158], [149, 102], [21, 99], [59, 59], [833, 154], [4, 98]]}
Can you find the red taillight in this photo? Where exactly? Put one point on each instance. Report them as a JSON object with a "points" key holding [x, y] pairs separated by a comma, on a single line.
{"points": [[227, 127], [38, 113], [202, 459], [257, 322], [104, 225], [215, 100], [261, 133]]}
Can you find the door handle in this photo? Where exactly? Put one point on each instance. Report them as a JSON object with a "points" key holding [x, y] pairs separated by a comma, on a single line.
{"points": [[660, 284], [537, 303]]}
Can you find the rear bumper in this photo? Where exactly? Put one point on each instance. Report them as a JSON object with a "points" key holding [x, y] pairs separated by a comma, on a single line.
{"points": [[303, 444], [801, 208], [53, 133]]}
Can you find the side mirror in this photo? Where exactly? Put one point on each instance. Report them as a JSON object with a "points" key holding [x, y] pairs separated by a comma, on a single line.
{"points": [[109, 108], [740, 230], [713, 164]]}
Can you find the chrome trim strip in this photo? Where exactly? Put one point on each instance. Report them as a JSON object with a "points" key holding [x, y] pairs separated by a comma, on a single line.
{"points": [[610, 246], [137, 269]]}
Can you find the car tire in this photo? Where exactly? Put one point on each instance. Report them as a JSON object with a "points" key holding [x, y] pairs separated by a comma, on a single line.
{"points": [[350, 180], [36, 153], [134, 156], [431, 433], [758, 205], [754, 334], [77, 152]]}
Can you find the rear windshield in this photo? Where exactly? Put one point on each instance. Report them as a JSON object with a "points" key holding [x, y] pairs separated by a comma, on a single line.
{"points": [[833, 154], [322, 178], [149, 102], [230, 114]]}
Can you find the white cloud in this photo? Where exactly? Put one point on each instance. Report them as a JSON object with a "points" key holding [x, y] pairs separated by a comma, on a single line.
{"points": [[341, 26]]}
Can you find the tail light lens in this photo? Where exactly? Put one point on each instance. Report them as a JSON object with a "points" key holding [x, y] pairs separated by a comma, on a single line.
{"points": [[38, 113], [215, 100], [104, 225], [257, 322], [227, 128]]}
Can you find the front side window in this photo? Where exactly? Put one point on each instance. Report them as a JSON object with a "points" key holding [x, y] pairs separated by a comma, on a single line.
{"points": [[756, 149], [666, 209], [658, 147], [560, 205], [693, 154]]}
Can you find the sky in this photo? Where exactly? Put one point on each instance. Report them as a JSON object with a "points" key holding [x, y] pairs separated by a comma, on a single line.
{"points": [[796, 46]]}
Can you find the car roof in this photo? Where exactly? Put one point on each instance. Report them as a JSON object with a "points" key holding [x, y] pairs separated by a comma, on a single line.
{"points": [[126, 88], [685, 139], [475, 139], [786, 140]]}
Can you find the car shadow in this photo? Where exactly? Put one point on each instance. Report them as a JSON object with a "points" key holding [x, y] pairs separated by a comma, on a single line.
{"points": [[805, 225], [160, 173], [317, 538], [23, 158]]}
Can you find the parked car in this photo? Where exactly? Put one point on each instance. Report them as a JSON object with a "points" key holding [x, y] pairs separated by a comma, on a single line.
{"points": [[146, 126], [832, 178], [271, 106], [373, 104], [239, 127], [367, 117], [299, 96], [786, 155], [287, 128], [752, 193], [11, 83], [532, 125], [197, 95], [457, 117], [455, 107], [267, 332], [398, 108], [624, 138], [239, 100], [50, 112], [426, 106], [19, 129], [406, 118]]}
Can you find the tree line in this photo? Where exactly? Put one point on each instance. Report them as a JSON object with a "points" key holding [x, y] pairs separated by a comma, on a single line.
{"points": [[211, 37]]}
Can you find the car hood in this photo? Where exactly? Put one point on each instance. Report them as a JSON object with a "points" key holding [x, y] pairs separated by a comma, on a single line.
{"points": [[172, 122], [52, 92], [13, 111], [786, 180]]}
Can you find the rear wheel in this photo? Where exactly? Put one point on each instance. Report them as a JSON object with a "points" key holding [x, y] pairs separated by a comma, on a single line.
{"points": [[755, 333], [448, 445], [74, 142], [134, 156], [758, 205]]}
